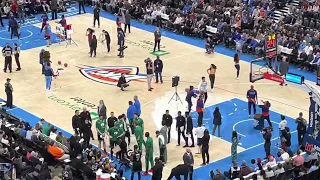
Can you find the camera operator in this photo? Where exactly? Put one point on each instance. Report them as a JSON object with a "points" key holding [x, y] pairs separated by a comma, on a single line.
{"points": [[150, 70], [266, 133], [121, 42]]}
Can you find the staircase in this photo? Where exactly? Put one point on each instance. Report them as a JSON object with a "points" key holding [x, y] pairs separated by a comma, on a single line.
{"points": [[285, 10]]}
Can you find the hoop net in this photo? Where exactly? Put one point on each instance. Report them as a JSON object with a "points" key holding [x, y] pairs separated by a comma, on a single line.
{"points": [[259, 69]]}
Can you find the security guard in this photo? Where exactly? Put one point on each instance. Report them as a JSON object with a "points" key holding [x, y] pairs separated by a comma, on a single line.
{"points": [[121, 42], [7, 53], [8, 90], [16, 52]]}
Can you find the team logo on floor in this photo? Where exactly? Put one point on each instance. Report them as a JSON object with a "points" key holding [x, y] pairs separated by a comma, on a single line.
{"points": [[111, 74]]}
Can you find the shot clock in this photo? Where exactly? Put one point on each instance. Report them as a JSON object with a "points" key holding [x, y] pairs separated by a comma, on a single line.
{"points": [[271, 45]]}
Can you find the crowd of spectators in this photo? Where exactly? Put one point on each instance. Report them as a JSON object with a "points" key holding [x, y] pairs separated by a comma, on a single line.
{"points": [[238, 24], [36, 151]]}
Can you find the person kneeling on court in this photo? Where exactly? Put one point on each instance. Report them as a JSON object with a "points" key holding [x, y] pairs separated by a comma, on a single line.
{"points": [[57, 152], [122, 82], [178, 171]]}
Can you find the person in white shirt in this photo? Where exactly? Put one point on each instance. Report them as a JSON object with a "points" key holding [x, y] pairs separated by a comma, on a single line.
{"points": [[29, 133], [271, 161], [203, 88], [3, 140], [282, 125], [284, 155], [279, 170], [308, 49], [199, 132], [177, 22], [269, 172]]}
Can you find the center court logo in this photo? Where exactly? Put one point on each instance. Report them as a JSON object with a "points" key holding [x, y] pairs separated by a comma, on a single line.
{"points": [[111, 74]]}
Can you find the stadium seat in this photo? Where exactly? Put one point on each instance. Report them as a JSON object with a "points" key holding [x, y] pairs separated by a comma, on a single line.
{"points": [[317, 26], [305, 22]]}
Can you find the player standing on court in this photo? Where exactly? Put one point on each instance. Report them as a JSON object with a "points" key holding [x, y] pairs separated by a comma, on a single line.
{"points": [[48, 73], [47, 35], [149, 153], [16, 52], [45, 19], [7, 52], [139, 135], [101, 125], [252, 97], [136, 162]]}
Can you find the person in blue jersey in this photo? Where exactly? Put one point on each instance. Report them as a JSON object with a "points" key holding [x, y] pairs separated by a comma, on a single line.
{"points": [[137, 105], [63, 23], [47, 35], [45, 19], [130, 115], [252, 97], [265, 112], [189, 96], [49, 74], [13, 26]]}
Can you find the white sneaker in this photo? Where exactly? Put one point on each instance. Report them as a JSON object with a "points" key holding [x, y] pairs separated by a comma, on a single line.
{"points": [[249, 116], [237, 78]]}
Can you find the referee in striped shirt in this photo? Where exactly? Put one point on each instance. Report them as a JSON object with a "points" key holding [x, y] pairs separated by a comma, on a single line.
{"points": [[7, 53], [16, 52]]}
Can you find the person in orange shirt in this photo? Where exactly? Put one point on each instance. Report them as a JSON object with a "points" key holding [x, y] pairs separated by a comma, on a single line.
{"points": [[57, 152]]}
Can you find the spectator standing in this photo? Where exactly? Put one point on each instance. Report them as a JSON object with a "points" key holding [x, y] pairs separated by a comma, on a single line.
{"points": [[181, 126], [54, 9], [76, 122], [102, 109], [205, 147], [235, 142], [189, 130], [137, 105], [188, 160], [203, 88], [127, 18], [96, 15], [8, 90], [167, 120], [158, 66], [93, 46], [157, 39], [217, 121], [284, 69], [81, 5]]}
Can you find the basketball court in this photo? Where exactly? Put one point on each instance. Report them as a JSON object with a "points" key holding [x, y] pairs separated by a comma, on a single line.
{"points": [[87, 80]]}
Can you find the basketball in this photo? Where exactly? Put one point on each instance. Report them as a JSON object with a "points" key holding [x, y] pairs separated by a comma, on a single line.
{"points": [[59, 62], [65, 65]]}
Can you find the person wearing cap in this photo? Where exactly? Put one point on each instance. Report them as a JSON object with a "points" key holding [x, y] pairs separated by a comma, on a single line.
{"points": [[7, 52], [150, 70], [8, 90], [162, 146]]}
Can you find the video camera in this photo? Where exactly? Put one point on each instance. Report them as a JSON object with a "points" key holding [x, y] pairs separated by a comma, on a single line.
{"points": [[266, 129]]}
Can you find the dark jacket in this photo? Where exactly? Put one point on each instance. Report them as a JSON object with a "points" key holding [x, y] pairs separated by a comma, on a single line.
{"points": [[102, 111], [107, 37], [179, 170], [157, 35], [157, 171], [76, 122], [217, 119], [85, 116], [93, 43], [54, 4], [284, 67], [189, 125], [181, 121], [158, 65], [167, 119], [122, 80], [127, 18], [96, 12]]}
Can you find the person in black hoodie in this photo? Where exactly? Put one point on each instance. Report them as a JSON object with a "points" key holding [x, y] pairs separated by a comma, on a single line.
{"points": [[189, 129], [96, 15], [205, 147], [216, 121], [76, 122], [167, 120], [86, 132], [158, 66], [122, 82], [93, 46], [181, 126], [157, 169]]}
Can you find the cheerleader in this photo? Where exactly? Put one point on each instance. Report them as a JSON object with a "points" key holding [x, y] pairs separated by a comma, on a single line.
{"points": [[203, 86], [136, 162], [16, 52], [236, 64], [212, 74]]}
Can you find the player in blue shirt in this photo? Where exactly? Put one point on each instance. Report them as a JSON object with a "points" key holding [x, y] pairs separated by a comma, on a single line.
{"points": [[48, 72], [191, 93], [47, 35], [137, 105], [13, 26], [252, 97], [45, 19]]}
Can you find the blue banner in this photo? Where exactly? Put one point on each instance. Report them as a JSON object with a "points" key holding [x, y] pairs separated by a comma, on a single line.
{"points": [[312, 116], [310, 143]]}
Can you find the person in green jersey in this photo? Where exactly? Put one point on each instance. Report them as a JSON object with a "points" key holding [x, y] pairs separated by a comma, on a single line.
{"points": [[139, 136], [162, 147], [149, 153], [101, 125], [123, 124], [46, 129], [138, 120], [114, 134]]}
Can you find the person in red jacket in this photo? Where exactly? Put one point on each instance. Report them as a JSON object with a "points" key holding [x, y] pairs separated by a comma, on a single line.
{"points": [[200, 109]]}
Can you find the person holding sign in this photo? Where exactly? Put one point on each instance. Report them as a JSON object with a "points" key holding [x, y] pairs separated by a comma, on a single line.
{"points": [[252, 97]]}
